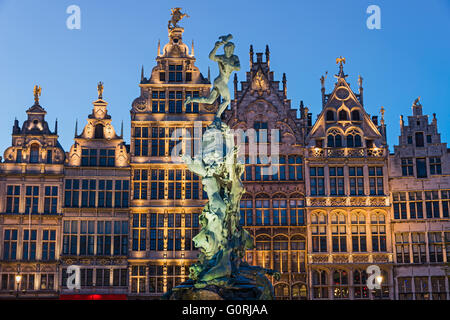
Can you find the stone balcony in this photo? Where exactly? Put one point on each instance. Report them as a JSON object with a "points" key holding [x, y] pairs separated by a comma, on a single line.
{"points": [[346, 152]]}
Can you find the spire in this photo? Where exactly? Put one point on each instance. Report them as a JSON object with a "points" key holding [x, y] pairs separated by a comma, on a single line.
{"points": [[402, 122], [121, 129], [159, 48], [267, 55], [142, 73], [235, 85], [37, 93], [76, 128], [382, 115], [192, 49], [209, 74], [341, 62], [360, 82], [251, 55], [56, 126], [284, 85]]}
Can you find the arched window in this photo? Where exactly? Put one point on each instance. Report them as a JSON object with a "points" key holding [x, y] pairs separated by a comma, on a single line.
{"points": [[359, 283], [262, 204], [334, 139], [298, 254], [330, 115], [281, 254], [34, 153], [263, 251], [355, 115], [299, 292], [98, 131], [281, 291], [343, 115], [339, 232], [320, 284], [340, 284], [354, 139]]}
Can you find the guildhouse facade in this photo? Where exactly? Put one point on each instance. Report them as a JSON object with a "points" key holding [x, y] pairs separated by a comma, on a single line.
{"points": [[324, 200]]}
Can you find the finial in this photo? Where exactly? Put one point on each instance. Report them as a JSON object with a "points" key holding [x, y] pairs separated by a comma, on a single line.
{"points": [[382, 110], [37, 92], [100, 90], [159, 48], [360, 81], [341, 62], [177, 15], [401, 121], [192, 50], [284, 84], [142, 73], [121, 130], [56, 126], [209, 74], [267, 55], [76, 128], [323, 78], [251, 55], [417, 102]]}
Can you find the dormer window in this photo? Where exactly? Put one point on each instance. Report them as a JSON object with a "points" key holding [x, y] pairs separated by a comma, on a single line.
{"points": [[175, 73], [343, 116], [419, 139], [355, 115], [98, 131], [330, 115], [34, 153]]}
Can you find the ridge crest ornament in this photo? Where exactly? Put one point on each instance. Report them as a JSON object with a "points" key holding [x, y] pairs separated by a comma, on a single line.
{"points": [[221, 272]]}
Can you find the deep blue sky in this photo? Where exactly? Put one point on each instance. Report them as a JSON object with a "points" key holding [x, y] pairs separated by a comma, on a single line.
{"points": [[408, 57]]}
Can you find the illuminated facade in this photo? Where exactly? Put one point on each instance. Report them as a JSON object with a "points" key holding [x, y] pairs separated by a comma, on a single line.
{"points": [[323, 200]]}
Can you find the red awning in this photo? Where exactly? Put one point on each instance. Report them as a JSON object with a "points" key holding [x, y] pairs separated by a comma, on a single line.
{"points": [[93, 297]]}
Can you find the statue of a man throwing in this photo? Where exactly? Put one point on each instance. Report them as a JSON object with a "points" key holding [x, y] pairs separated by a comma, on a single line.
{"points": [[228, 63]]}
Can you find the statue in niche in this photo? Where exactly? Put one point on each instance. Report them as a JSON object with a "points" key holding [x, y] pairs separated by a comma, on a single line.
{"points": [[228, 62]]}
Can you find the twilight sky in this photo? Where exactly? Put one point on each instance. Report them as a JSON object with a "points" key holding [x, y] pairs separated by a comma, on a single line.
{"points": [[407, 58]]}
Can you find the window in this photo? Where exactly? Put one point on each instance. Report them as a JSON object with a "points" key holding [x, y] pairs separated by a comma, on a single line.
{"points": [[445, 196], [281, 254], [297, 214], [262, 205], [359, 238], [19, 156], [334, 139], [320, 284], [330, 115], [435, 246], [429, 138], [31, 199], [98, 134], [405, 288], [402, 247], [173, 231], [158, 101], [120, 277], [175, 73], [298, 254], [138, 279], [317, 181], [107, 158], [295, 168], [263, 251], [419, 139], [354, 139], [343, 115], [422, 289], [359, 282], [49, 156], [415, 205], [432, 204], [339, 233], [141, 141], [319, 232], [174, 184], [421, 167], [356, 181], [97, 157], [376, 182], [88, 190], [29, 244], [399, 205], [157, 184], [260, 131], [87, 238], [435, 165], [102, 277], [336, 181], [174, 276], [340, 284], [355, 115], [27, 282], [34, 153], [279, 211], [121, 193], [158, 142], [191, 229], [407, 167], [105, 194], [193, 106], [72, 193], [438, 288], [175, 101], [378, 228], [10, 244], [162, 76], [48, 245], [156, 279], [418, 247], [51, 200], [246, 212], [140, 184], [104, 237], [409, 139], [48, 280], [12, 199], [8, 281], [70, 237], [139, 231]]}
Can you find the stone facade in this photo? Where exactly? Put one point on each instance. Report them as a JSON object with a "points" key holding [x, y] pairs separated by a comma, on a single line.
{"points": [[323, 200]]}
